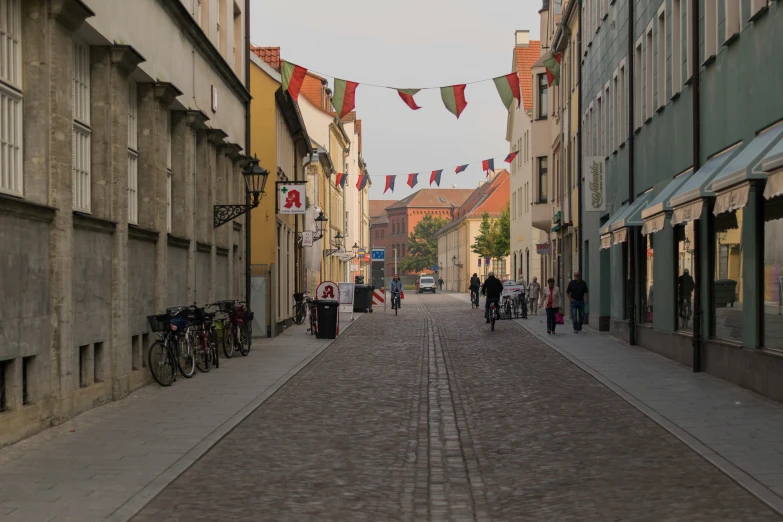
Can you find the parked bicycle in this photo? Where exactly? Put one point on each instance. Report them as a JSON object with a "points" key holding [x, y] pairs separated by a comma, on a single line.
{"points": [[222, 325], [171, 351], [203, 337], [240, 324], [313, 312], [300, 308]]}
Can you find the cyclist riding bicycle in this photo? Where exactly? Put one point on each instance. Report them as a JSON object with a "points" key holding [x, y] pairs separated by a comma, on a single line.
{"points": [[395, 287], [492, 288], [475, 284]]}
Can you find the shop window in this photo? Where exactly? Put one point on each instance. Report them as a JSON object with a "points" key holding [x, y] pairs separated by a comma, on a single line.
{"points": [[646, 277], [627, 283], [727, 292], [11, 96], [685, 246], [773, 275]]}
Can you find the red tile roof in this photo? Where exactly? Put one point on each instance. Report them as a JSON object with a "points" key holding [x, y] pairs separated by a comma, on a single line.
{"points": [[312, 90], [271, 55], [434, 197], [526, 57], [378, 206], [491, 197]]}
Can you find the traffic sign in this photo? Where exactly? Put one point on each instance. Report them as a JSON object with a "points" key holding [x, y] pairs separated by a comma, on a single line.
{"points": [[434, 268], [378, 254]]}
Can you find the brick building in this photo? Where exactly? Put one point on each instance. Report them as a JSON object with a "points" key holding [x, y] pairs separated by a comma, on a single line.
{"points": [[403, 216]]}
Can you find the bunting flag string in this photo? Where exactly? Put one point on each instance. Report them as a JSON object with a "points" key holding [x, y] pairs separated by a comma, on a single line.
{"points": [[344, 181], [435, 177], [453, 96], [362, 182], [487, 165], [461, 168], [511, 157], [389, 183], [413, 180], [552, 65], [339, 179]]}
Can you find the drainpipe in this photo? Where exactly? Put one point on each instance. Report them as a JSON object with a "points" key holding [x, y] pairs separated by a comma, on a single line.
{"points": [[247, 149], [631, 193], [696, 144], [579, 172]]}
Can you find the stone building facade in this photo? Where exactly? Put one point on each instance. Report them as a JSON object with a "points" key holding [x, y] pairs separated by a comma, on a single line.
{"points": [[126, 121]]}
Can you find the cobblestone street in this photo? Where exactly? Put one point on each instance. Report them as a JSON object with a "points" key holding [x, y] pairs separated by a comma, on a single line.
{"points": [[430, 416]]}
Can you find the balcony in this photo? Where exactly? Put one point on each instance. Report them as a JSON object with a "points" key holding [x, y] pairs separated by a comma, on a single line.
{"points": [[542, 216]]}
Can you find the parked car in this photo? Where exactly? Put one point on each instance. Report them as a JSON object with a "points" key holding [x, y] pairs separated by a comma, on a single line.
{"points": [[426, 284]]}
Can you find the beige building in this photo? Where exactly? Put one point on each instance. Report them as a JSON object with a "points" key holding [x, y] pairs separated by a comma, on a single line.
{"points": [[125, 122]]}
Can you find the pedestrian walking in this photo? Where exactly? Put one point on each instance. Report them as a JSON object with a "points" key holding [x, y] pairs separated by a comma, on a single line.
{"points": [[440, 283], [577, 294], [550, 300], [533, 293], [417, 285]]}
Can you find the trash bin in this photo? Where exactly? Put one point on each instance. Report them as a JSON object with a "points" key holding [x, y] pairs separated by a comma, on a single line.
{"points": [[359, 280], [362, 298], [327, 319], [725, 292]]}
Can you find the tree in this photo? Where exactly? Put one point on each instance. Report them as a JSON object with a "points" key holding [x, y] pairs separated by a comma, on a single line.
{"points": [[483, 244], [503, 235], [494, 237], [422, 245]]}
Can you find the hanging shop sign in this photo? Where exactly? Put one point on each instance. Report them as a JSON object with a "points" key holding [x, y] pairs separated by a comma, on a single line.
{"points": [[595, 184], [291, 197], [307, 238], [542, 249]]}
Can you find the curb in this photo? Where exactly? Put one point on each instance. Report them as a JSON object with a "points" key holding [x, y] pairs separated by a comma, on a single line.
{"points": [[137, 502], [750, 484]]}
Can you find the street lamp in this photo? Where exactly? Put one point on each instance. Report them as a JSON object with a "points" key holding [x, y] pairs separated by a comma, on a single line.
{"points": [[320, 224], [355, 249], [337, 242], [255, 178]]}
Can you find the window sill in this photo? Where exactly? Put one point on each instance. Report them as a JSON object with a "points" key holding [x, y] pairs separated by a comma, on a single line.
{"points": [[622, 145], [176, 241], [542, 119], [615, 151], [205, 248], [731, 39], [142, 234], [604, 17], [758, 14], [638, 129], [90, 222], [689, 80], [20, 207], [648, 120], [660, 109], [675, 96], [708, 61]]}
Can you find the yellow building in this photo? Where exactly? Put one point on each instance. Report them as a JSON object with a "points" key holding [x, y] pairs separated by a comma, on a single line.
{"points": [[279, 137]]}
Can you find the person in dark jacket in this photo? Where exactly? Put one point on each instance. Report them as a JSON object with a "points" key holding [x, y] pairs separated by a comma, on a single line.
{"points": [[492, 288], [475, 284]]}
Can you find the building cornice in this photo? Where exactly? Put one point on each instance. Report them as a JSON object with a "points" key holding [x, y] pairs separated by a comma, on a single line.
{"points": [[205, 45], [70, 13]]}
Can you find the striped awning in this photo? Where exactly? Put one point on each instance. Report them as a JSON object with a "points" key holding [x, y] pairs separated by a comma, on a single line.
{"points": [[654, 224], [687, 212], [774, 186], [731, 200], [606, 241], [620, 236]]}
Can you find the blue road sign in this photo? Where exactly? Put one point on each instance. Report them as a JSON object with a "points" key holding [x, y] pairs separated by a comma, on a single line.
{"points": [[378, 254], [434, 268]]}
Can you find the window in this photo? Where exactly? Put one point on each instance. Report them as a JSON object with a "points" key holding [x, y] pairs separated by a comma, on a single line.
{"points": [[543, 95], [168, 171], [757, 8], [638, 114], [81, 127], [661, 66], [237, 40], [727, 299], [607, 120], [733, 22], [599, 114], [5, 369], [615, 113], [710, 29], [623, 106], [222, 28], [347, 221], [606, 8], [11, 98], [648, 67], [133, 154], [676, 46], [204, 16], [542, 181]]}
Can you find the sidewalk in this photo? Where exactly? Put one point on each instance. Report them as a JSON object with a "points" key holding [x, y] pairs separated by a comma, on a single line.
{"points": [[107, 463], [739, 432]]}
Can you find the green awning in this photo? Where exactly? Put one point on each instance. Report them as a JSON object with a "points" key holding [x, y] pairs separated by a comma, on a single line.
{"points": [[746, 165]]}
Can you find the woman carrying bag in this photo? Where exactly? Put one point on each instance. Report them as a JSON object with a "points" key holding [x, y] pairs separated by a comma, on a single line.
{"points": [[550, 300]]}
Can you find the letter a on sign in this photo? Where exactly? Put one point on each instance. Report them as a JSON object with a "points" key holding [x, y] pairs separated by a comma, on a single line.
{"points": [[328, 293], [290, 199]]}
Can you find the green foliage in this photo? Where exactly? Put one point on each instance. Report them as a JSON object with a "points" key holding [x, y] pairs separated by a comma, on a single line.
{"points": [[494, 237], [503, 238], [422, 245]]}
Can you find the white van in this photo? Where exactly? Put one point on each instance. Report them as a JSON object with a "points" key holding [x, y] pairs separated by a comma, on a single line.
{"points": [[426, 284]]}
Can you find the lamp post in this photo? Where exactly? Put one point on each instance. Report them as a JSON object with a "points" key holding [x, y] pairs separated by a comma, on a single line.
{"points": [[255, 178]]}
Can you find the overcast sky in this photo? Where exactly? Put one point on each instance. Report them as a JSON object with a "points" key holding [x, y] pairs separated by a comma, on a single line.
{"points": [[409, 44]]}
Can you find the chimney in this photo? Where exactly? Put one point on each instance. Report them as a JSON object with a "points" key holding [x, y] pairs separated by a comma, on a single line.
{"points": [[523, 38]]}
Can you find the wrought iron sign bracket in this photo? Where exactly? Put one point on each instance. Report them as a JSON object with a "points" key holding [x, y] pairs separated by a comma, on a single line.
{"points": [[225, 213]]}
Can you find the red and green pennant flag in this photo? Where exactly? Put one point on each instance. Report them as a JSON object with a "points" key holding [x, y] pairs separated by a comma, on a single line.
{"points": [[344, 98], [407, 96], [508, 89], [413, 179], [435, 177], [552, 65], [362, 182], [293, 76], [461, 168], [487, 165], [454, 98], [389, 183], [511, 156]]}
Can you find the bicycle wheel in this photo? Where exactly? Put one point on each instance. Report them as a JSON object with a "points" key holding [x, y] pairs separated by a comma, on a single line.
{"points": [[162, 365], [204, 356], [300, 312], [186, 355], [243, 339], [228, 340]]}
